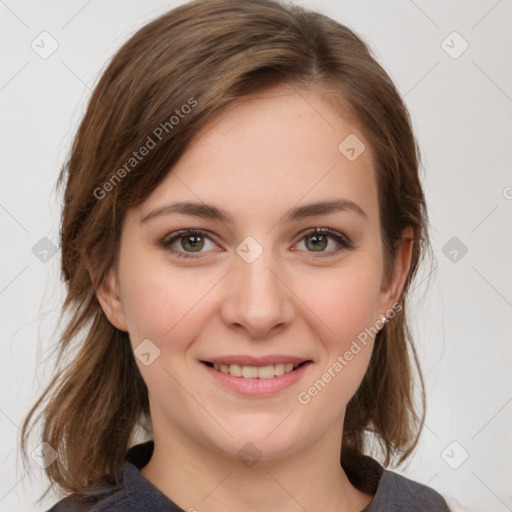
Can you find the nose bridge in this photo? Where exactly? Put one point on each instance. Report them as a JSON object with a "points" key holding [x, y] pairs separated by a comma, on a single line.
{"points": [[258, 301]]}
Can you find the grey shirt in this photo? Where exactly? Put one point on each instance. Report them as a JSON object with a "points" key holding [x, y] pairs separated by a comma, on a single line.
{"points": [[129, 491]]}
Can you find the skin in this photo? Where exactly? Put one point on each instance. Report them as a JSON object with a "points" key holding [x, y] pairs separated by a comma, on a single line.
{"points": [[271, 152]]}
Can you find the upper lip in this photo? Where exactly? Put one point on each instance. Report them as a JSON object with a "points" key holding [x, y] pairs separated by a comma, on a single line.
{"points": [[246, 360]]}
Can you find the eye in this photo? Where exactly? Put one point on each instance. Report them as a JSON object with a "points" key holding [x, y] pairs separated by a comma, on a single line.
{"points": [[324, 240], [187, 242], [192, 243]]}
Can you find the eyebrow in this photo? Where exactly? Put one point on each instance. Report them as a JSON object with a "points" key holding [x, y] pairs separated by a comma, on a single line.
{"points": [[207, 211]]}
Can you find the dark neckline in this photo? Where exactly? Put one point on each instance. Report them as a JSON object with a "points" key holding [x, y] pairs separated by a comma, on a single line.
{"points": [[364, 473]]}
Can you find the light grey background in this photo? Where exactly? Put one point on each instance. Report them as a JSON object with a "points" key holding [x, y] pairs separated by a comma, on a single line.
{"points": [[461, 109]]}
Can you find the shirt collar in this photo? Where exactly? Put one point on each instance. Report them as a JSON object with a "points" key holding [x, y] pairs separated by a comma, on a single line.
{"points": [[363, 472]]}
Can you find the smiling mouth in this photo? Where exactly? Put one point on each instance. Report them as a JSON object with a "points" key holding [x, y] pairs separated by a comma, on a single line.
{"points": [[255, 372]]}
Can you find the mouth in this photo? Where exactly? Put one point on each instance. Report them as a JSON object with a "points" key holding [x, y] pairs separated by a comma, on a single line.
{"points": [[268, 371]]}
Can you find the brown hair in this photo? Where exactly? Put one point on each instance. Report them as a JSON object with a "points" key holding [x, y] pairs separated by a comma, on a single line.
{"points": [[207, 55]]}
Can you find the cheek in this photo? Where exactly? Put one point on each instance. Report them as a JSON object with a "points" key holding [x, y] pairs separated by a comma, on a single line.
{"points": [[160, 302], [342, 313], [346, 302]]}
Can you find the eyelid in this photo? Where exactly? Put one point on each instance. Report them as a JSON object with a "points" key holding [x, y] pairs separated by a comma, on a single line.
{"points": [[171, 238], [339, 238], [342, 240]]}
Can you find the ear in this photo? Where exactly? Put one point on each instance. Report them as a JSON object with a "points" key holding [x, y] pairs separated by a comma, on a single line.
{"points": [[391, 293], [107, 292]]}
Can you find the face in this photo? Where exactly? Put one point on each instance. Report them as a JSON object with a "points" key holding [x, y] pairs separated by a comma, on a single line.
{"points": [[283, 266]]}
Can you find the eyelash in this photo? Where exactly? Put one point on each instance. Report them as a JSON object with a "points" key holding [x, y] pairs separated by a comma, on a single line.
{"points": [[341, 240]]}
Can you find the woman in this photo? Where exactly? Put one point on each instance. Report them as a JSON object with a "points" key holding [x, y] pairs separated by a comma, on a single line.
{"points": [[242, 220]]}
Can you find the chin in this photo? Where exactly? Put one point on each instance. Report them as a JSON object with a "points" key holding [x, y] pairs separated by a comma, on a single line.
{"points": [[270, 439]]}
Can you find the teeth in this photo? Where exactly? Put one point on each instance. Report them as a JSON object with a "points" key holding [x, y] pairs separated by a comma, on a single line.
{"points": [[265, 372], [253, 372], [278, 369], [249, 372]]}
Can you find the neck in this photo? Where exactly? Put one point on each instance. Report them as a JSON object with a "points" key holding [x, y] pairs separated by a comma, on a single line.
{"points": [[196, 477]]}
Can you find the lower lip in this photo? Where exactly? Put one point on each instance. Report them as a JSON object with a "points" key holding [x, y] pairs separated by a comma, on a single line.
{"points": [[258, 387]]}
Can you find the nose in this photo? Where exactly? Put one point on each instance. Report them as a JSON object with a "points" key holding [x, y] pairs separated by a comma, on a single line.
{"points": [[257, 300]]}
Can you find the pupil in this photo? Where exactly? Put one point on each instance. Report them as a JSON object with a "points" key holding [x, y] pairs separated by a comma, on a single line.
{"points": [[194, 242], [318, 242]]}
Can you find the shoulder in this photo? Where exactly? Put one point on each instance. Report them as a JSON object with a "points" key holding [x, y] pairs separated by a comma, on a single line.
{"points": [[396, 493], [112, 493], [391, 492], [128, 491], [111, 498]]}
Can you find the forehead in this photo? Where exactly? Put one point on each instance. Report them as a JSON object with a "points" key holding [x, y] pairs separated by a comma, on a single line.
{"points": [[274, 149]]}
